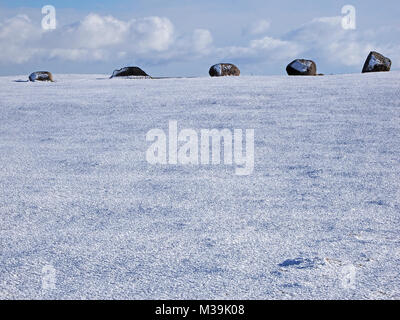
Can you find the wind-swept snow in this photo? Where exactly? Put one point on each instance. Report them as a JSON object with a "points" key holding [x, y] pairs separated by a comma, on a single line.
{"points": [[318, 218]]}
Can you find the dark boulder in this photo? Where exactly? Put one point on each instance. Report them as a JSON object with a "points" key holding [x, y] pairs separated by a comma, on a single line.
{"points": [[41, 76], [302, 67], [130, 72], [376, 63], [224, 69]]}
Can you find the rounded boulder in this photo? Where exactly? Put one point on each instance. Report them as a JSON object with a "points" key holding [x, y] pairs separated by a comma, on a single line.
{"points": [[129, 72], [41, 76], [302, 67], [223, 70], [376, 63]]}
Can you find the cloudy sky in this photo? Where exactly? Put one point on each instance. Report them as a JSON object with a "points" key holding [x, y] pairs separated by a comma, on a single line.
{"points": [[185, 37]]}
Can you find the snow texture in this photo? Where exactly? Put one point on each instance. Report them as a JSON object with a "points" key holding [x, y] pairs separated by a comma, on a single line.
{"points": [[77, 194], [130, 77]]}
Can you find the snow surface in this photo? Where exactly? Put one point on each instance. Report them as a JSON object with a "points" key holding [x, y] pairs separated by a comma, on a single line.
{"points": [[77, 194]]}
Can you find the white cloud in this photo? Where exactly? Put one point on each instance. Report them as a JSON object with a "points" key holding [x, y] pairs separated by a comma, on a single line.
{"points": [[96, 32], [258, 27], [96, 38], [79, 54], [18, 37], [151, 34], [267, 50], [101, 37], [269, 44], [323, 40], [202, 40], [154, 39]]}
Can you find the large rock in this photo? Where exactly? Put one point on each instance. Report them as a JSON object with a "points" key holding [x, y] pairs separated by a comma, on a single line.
{"points": [[376, 63], [224, 69], [130, 72], [41, 76], [302, 67]]}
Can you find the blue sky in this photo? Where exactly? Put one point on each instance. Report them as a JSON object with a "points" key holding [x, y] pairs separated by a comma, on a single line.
{"points": [[185, 37]]}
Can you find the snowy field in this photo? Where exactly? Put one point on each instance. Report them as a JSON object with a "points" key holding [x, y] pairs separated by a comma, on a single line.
{"points": [[318, 218]]}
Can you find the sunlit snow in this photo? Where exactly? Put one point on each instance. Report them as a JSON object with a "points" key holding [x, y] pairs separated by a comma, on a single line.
{"points": [[318, 218]]}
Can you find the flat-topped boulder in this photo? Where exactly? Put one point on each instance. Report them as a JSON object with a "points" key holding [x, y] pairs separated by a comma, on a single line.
{"points": [[130, 72], [302, 67], [41, 76], [223, 70], [376, 63]]}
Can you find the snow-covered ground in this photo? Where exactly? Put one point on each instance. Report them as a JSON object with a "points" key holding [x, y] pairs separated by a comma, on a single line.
{"points": [[318, 218]]}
